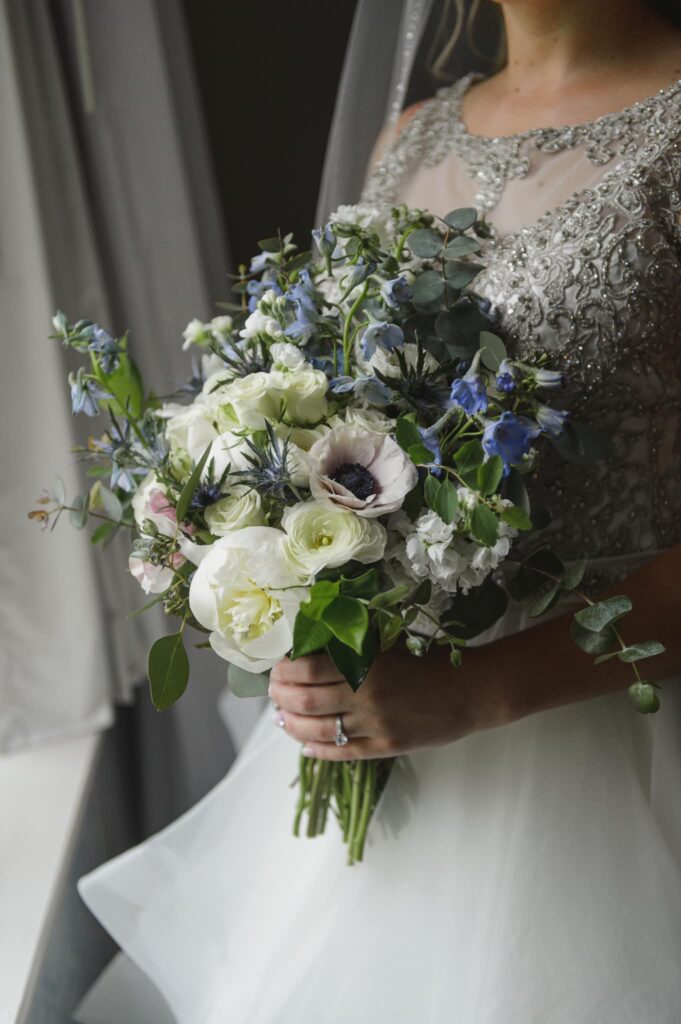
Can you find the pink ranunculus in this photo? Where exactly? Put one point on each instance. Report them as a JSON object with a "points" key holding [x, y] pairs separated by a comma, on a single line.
{"points": [[360, 470]]}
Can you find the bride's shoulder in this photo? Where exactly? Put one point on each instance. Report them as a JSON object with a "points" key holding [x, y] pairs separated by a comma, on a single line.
{"points": [[410, 118]]}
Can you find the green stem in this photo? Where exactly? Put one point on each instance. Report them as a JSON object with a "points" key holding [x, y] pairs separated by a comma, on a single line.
{"points": [[357, 779], [302, 794], [359, 838], [348, 321]]}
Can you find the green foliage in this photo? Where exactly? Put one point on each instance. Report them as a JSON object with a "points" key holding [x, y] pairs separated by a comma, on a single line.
{"points": [[446, 502], [389, 627], [168, 670], [309, 635], [590, 642], [348, 620], [110, 503], [365, 585], [460, 246], [476, 611], [322, 593], [431, 489], [427, 289], [490, 474], [534, 574], [643, 697], [595, 617], [493, 350], [459, 274], [461, 220], [79, 511], [425, 243], [516, 517], [419, 454], [469, 456], [247, 684], [353, 667], [637, 652], [484, 525], [406, 432]]}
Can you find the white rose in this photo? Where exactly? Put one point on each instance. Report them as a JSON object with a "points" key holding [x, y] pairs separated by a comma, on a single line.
{"points": [[260, 323], [287, 356], [228, 449], [304, 393], [253, 400], [245, 592], [321, 535], [192, 429], [302, 437], [150, 502], [242, 507], [369, 419]]}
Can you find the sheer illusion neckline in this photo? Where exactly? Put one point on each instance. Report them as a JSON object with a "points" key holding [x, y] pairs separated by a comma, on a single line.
{"points": [[565, 134]]}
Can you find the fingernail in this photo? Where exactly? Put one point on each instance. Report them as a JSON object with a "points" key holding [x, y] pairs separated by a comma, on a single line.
{"points": [[275, 705], [280, 721], [308, 751]]}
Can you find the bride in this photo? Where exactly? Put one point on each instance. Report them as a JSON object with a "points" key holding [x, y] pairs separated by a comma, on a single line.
{"points": [[524, 864]]}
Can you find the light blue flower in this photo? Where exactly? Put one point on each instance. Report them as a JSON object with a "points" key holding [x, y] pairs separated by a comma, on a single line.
{"points": [[469, 393], [107, 349], [505, 380], [551, 421], [85, 392], [256, 289], [359, 274], [510, 437], [302, 296], [325, 240], [432, 443], [381, 335], [396, 292], [550, 380], [260, 262]]}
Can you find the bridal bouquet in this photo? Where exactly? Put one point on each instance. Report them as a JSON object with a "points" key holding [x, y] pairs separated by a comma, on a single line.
{"points": [[344, 472]]}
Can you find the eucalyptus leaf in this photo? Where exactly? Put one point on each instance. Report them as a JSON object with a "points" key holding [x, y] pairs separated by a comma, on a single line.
{"points": [[574, 574], [637, 652], [247, 684], [168, 670], [189, 488], [601, 614], [643, 697], [546, 601], [79, 511], [427, 288], [426, 243], [462, 219], [462, 245], [493, 350], [534, 573], [101, 533], [593, 643], [59, 490], [459, 274], [484, 525], [476, 611], [110, 503]]}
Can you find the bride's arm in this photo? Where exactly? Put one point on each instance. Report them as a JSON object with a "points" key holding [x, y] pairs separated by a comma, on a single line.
{"points": [[407, 704]]}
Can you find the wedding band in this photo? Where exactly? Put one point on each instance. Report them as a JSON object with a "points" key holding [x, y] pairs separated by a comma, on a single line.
{"points": [[340, 738]]}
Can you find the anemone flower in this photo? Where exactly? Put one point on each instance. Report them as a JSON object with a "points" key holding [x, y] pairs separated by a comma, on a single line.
{"points": [[360, 470]]}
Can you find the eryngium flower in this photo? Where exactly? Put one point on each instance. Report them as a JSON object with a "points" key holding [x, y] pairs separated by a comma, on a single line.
{"points": [[360, 470]]}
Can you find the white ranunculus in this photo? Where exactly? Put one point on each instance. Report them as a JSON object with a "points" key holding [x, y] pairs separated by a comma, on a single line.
{"points": [[324, 535], [304, 393], [369, 419], [253, 400], [304, 437], [191, 429], [286, 356], [246, 593], [259, 323], [150, 501], [360, 470], [240, 508]]}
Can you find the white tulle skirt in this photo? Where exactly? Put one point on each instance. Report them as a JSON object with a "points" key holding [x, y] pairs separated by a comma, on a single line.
{"points": [[530, 874]]}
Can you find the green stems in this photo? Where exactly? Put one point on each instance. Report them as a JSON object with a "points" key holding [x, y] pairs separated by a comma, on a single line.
{"points": [[348, 323]]}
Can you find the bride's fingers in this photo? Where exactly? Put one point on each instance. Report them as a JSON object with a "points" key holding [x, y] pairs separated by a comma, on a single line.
{"points": [[319, 729], [354, 750], [310, 670], [325, 699]]}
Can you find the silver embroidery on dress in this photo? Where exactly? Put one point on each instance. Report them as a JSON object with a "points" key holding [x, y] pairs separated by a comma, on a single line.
{"points": [[596, 282]]}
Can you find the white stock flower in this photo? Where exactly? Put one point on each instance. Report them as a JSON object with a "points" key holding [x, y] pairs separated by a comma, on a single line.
{"points": [[196, 333], [286, 356], [259, 323], [150, 502], [245, 592], [190, 428], [221, 327], [324, 535], [240, 508], [360, 470]]}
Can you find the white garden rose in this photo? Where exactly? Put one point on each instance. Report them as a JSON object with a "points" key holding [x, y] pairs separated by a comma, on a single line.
{"points": [[304, 393], [150, 501], [369, 419], [190, 428], [324, 535], [252, 400], [240, 508], [286, 356], [246, 593], [302, 437]]}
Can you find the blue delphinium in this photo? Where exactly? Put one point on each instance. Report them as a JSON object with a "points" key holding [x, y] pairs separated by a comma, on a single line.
{"points": [[551, 421], [256, 289], [107, 348], [325, 240], [85, 393], [381, 335], [505, 380], [469, 393], [432, 443], [302, 297], [359, 273], [396, 292], [510, 437]]}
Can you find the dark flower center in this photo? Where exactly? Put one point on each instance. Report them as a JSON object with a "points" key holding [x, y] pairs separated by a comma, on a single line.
{"points": [[206, 494], [355, 478]]}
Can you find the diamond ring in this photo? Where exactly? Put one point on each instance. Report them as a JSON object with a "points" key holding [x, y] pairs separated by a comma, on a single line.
{"points": [[340, 738]]}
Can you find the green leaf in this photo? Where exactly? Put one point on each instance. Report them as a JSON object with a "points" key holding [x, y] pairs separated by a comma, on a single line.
{"points": [[493, 350], [597, 616], [514, 489], [446, 502], [469, 456], [110, 502], [353, 667], [459, 274], [425, 243], [546, 601], [79, 512], [407, 433], [308, 635], [168, 670], [593, 643], [247, 684], [389, 627], [484, 525], [489, 475], [461, 219], [427, 288], [389, 598], [419, 454], [365, 586], [421, 594], [516, 517], [102, 532], [125, 384], [461, 246], [189, 488], [534, 574], [643, 697], [59, 490], [322, 594], [574, 574], [348, 620], [431, 489], [412, 502], [637, 652], [270, 244]]}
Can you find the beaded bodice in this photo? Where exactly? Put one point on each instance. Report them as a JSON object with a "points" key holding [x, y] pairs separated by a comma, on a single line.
{"points": [[595, 282]]}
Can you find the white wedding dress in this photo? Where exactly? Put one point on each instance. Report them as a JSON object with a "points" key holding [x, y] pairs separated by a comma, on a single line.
{"points": [[530, 874]]}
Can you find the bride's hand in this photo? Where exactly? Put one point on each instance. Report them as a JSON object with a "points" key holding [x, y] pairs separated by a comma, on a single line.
{"points": [[405, 703]]}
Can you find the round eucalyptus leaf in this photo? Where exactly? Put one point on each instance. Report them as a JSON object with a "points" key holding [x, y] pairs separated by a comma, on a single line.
{"points": [[425, 243], [427, 288], [462, 219], [247, 684], [493, 350]]}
